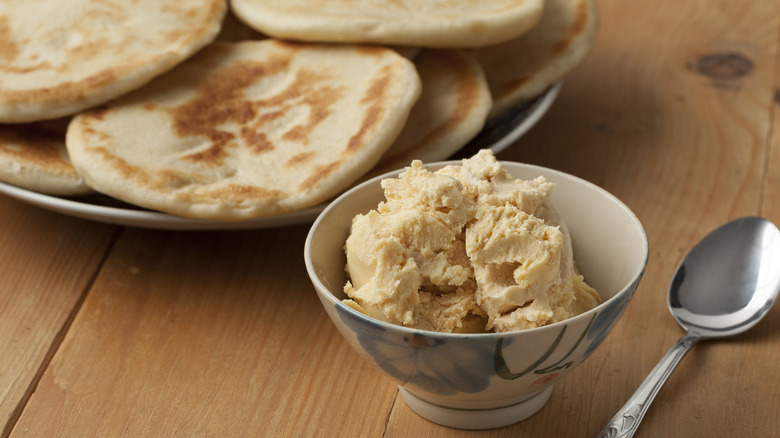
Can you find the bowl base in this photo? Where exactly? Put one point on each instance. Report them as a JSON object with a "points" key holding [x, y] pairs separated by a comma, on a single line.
{"points": [[476, 419]]}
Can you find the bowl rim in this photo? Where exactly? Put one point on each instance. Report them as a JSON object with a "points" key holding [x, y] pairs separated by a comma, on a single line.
{"points": [[323, 291]]}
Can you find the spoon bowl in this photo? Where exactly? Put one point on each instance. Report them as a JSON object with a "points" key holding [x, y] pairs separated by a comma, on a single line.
{"points": [[729, 280], [723, 287]]}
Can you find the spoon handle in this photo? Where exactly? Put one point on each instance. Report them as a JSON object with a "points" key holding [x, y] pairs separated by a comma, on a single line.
{"points": [[627, 420]]}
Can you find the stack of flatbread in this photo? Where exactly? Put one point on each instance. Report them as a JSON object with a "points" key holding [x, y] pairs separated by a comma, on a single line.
{"points": [[233, 111]]}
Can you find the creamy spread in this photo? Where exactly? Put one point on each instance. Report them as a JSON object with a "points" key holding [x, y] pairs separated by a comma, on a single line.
{"points": [[467, 248]]}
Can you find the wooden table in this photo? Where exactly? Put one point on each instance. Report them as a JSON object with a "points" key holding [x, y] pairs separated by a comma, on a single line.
{"points": [[108, 331]]}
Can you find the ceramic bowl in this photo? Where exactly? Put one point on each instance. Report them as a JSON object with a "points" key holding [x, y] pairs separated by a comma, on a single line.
{"points": [[482, 381]]}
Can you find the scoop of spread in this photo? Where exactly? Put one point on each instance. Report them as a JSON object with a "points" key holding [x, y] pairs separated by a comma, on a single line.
{"points": [[466, 249]]}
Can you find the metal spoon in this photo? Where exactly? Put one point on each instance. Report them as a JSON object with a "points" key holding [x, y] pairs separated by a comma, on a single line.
{"points": [[723, 287]]}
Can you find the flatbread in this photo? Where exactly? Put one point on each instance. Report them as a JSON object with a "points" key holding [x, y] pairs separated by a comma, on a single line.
{"points": [[452, 109], [60, 57], [523, 68], [248, 129], [33, 157], [444, 23]]}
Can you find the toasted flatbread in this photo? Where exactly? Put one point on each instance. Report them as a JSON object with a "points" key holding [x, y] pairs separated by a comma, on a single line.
{"points": [[60, 57], [452, 109], [33, 157], [248, 129], [446, 23], [523, 68]]}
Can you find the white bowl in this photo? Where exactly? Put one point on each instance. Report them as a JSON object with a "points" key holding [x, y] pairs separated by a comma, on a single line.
{"points": [[482, 381]]}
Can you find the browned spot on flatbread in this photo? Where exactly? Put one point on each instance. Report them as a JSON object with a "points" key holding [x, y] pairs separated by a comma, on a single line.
{"points": [[8, 49], [96, 136], [296, 133], [98, 113], [161, 181], [370, 119], [264, 118], [94, 81], [36, 143], [217, 152], [170, 180], [301, 158], [373, 98], [320, 173], [371, 50], [240, 193], [579, 21], [123, 168], [220, 105], [398, 4], [308, 90], [219, 101], [378, 88], [257, 142]]}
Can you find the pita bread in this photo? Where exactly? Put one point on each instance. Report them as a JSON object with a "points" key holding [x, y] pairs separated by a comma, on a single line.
{"points": [[33, 157], [523, 68], [60, 57], [452, 110], [444, 23], [248, 129]]}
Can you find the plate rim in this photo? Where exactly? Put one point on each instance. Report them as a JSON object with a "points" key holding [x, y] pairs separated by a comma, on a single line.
{"points": [[158, 220], [540, 109]]}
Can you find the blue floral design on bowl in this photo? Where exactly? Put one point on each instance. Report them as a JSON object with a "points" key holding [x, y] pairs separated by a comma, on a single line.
{"points": [[607, 318], [435, 363]]}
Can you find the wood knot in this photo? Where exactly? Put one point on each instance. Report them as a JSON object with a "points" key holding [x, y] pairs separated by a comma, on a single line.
{"points": [[724, 65]]}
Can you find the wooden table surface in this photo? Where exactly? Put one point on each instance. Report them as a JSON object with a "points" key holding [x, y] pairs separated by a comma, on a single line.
{"points": [[107, 331]]}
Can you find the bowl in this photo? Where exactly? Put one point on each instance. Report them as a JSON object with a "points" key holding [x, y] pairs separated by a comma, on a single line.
{"points": [[487, 380]]}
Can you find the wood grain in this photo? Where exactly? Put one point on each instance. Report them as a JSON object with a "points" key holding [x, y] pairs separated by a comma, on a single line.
{"points": [[46, 266], [686, 152], [205, 334]]}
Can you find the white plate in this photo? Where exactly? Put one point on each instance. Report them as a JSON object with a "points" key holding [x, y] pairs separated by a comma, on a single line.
{"points": [[497, 135]]}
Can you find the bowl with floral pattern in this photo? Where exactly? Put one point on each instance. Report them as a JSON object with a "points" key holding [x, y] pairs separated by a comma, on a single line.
{"points": [[487, 380]]}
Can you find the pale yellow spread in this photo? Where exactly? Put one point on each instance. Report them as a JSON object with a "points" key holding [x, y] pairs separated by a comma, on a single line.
{"points": [[465, 249]]}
